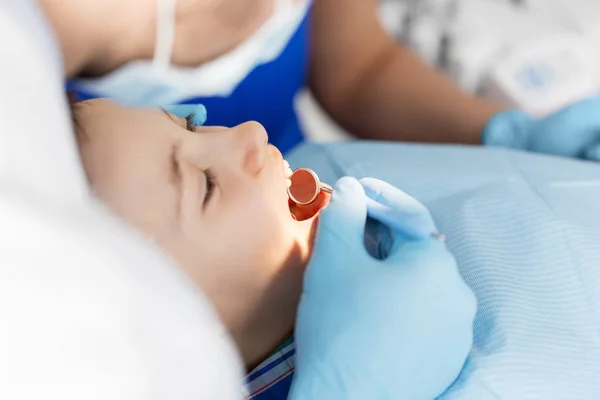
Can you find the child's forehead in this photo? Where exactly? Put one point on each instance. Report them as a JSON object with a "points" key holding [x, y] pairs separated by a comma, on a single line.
{"points": [[124, 140], [100, 118], [104, 110], [126, 161]]}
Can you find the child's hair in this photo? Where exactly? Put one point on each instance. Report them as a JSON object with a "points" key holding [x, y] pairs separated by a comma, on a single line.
{"points": [[72, 96], [75, 103]]}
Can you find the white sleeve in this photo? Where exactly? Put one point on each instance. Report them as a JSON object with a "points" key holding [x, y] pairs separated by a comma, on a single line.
{"points": [[90, 311], [37, 144]]}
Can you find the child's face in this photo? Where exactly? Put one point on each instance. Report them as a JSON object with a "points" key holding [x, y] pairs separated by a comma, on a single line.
{"points": [[214, 199]]}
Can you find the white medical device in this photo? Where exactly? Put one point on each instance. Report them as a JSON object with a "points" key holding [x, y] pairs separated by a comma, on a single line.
{"points": [[536, 55], [544, 75]]}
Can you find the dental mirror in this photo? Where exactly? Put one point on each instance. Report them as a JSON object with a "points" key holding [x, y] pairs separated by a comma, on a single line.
{"points": [[306, 186]]}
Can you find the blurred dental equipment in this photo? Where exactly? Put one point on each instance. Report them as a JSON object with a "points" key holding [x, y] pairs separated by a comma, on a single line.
{"points": [[306, 186], [535, 55], [544, 75]]}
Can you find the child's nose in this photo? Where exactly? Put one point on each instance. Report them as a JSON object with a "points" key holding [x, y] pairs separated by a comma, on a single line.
{"points": [[253, 139]]}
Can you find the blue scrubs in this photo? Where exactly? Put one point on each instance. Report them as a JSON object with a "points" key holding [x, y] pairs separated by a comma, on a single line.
{"points": [[266, 95]]}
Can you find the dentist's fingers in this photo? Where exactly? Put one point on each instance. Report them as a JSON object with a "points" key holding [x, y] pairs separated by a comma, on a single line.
{"points": [[197, 111], [340, 232], [343, 220], [400, 206]]}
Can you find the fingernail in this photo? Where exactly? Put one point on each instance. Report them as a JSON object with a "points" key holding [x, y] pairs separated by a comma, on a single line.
{"points": [[345, 183], [343, 187]]}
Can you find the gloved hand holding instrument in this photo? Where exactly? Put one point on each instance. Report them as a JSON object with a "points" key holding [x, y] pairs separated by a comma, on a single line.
{"points": [[397, 328]]}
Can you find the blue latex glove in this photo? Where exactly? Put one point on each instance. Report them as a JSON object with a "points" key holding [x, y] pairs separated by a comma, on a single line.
{"points": [[573, 131], [399, 328], [198, 111]]}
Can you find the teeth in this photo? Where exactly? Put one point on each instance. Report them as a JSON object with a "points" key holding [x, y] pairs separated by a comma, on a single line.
{"points": [[286, 168], [287, 171]]}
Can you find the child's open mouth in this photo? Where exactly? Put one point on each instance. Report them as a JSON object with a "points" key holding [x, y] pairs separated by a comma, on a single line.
{"points": [[303, 212]]}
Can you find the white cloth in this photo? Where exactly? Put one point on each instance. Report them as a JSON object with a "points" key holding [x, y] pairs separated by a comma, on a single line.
{"points": [[524, 229], [88, 309]]}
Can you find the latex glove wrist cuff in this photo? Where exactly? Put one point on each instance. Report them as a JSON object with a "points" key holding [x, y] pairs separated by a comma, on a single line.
{"points": [[508, 129]]}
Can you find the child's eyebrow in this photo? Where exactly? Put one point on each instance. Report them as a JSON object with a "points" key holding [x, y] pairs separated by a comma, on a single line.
{"points": [[175, 174], [168, 114]]}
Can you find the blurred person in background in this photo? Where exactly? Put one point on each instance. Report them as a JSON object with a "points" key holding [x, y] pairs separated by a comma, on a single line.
{"points": [[257, 55]]}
